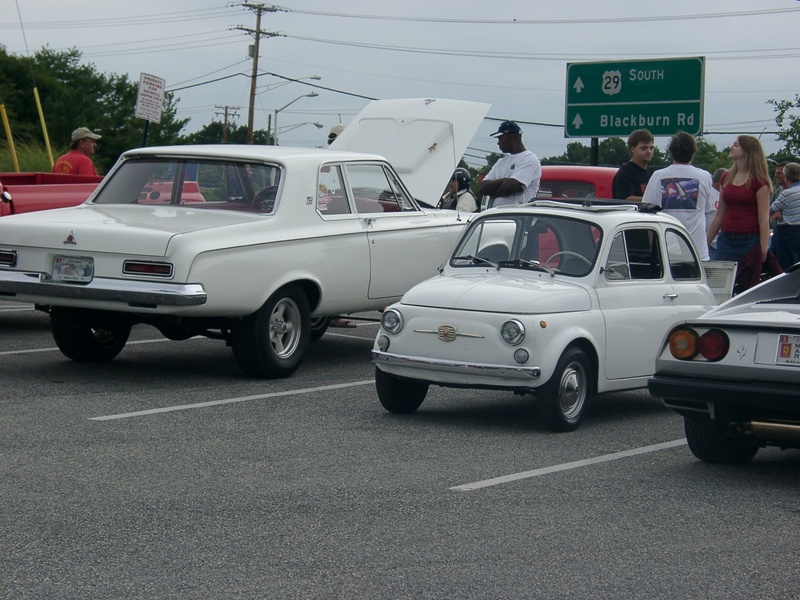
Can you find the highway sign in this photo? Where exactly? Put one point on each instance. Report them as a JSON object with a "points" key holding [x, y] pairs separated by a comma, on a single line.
{"points": [[614, 98]]}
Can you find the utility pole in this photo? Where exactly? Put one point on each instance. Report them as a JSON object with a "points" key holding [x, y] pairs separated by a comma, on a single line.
{"points": [[227, 111], [257, 34]]}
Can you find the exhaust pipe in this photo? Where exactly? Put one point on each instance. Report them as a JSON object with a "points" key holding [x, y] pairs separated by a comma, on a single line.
{"points": [[773, 430]]}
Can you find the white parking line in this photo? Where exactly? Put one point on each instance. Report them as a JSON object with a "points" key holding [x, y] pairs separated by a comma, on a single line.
{"points": [[54, 348], [154, 411], [468, 487]]}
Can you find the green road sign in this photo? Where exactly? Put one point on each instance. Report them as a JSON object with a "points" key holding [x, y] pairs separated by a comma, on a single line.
{"points": [[614, 98]]}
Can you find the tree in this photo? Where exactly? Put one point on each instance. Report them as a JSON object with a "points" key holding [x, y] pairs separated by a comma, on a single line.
{"points": [[75, 95], [788, 121]]}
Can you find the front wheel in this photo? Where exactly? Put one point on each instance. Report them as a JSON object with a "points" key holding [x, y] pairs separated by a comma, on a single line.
{"points": [[84, 336], [709, 442], [399, 396], [271, 342], [564, 399]]}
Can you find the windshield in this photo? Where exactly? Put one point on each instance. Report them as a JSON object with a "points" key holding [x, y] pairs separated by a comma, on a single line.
{"points": [[542, 242], [243, 186]]}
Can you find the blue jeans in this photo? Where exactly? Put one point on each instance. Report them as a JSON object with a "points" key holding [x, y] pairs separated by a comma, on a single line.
{"points": [[785, 245], [733, 246]]}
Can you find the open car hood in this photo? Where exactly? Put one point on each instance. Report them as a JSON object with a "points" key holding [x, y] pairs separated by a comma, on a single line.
{"points": [[423, 138]]}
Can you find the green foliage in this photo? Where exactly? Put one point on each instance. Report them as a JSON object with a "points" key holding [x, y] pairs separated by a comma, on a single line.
{"points": [[213, 134], [31, 157], [76, 95], [788, 121]]}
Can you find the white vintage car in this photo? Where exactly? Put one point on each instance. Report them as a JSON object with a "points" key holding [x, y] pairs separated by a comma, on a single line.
{"points": [[557, 299], [246, 243]]}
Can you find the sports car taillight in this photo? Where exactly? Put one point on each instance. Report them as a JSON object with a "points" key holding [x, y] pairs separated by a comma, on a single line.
{"points": [[133, 267], [683, 344], [686, 344], [713, 345]]}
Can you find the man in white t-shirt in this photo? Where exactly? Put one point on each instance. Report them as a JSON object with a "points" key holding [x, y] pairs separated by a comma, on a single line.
{"points": [[683, 191], [514, 179]]}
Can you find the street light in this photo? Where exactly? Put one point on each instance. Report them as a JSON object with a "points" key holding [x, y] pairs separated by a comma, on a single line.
{"points": [[271, 86], [275, 118], [286, 128]]}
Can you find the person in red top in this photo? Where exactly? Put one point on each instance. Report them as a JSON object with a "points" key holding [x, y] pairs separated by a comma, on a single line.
{"points": [[742, 218], [78, 161]]}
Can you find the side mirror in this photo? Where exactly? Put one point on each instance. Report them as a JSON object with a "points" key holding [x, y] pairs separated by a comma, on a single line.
{"points": [[5, 196]]}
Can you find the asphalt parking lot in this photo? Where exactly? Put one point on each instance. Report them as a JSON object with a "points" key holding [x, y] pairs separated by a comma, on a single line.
{"points": [[168, 474]]}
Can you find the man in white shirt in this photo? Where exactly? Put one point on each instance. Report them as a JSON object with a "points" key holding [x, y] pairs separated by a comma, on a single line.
{"points": [[683, 191], [514, 179]]}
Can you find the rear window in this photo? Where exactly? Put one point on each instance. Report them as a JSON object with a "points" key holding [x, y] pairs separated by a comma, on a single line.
{"points": [[229, 185]]}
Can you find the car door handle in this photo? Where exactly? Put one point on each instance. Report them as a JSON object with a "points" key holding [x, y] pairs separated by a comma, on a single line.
{"points": [[671, 296]]}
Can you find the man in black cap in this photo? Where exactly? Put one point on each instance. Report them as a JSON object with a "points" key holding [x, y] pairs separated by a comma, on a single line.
{"points": [[514, 179]]}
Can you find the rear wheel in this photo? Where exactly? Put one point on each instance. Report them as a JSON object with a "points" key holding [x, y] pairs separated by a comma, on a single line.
{"points": [[564, 399], [399, 396], [271, 342], [319, 325], [708, 441], [88, 337]]}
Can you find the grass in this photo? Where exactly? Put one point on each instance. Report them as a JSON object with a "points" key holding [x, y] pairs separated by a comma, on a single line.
{"points": [[32, 157]]}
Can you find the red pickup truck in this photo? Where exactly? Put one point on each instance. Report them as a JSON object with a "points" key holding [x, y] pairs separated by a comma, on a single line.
{"points": [[27, 192]]}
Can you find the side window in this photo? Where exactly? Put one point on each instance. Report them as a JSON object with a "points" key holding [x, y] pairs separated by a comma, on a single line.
{"points": [[683, 263], [375, 190], [644, 253], [635, 254], [331, 198], [616, 268]]}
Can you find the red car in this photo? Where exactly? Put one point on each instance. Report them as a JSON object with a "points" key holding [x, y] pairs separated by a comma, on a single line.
{"points": [[576, 181], [28, 192]]}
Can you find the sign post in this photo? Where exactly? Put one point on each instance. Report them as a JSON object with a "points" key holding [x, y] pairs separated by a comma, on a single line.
{"points": [[614, 98], [149, 101]]}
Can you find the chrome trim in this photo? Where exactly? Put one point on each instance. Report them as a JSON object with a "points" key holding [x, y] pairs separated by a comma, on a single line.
{"points": [[455, 366], [457, 333], [144, 293]]}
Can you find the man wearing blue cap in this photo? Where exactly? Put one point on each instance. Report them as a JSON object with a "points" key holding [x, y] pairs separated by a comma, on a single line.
{"points": [[514, 179]]}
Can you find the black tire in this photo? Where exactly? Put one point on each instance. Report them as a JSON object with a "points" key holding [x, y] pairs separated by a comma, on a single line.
{"points": [[564, 400], [271, 342], [709, 442], [399, 396], [319, 325], [84, 336]]}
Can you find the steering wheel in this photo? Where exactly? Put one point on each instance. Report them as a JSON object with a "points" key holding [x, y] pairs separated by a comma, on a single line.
{"points": [[265, 198], [567, 253]]}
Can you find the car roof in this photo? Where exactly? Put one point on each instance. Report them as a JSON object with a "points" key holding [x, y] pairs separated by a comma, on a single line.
{"points": [[610, 212], [278, 154]]}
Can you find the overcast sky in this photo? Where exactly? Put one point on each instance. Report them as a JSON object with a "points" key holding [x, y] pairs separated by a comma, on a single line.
{"points": [[512, 54]]}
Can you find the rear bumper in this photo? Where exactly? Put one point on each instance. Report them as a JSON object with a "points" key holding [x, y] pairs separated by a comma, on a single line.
{"points": [[746, 398], [31, 287]]}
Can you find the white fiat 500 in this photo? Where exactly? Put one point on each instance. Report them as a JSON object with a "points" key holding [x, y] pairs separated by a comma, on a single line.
{"points": [[562, 300]]}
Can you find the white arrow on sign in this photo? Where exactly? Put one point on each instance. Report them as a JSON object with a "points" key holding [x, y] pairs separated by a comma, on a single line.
{"points": [[577, 121], [578, 85]]}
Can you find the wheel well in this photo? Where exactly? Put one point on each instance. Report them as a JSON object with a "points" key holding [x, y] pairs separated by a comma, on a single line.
{"points": [[591, 353], [311, 291]]}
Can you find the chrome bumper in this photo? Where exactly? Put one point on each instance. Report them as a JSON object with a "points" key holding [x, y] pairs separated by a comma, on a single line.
{"points": [[457, 372], [34, 287]]}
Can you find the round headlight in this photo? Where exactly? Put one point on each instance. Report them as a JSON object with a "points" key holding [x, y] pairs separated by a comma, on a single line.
{"points": [[513, 332], [392, 321]]}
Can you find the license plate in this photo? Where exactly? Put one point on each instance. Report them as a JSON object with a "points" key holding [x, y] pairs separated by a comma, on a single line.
{"points": [[788, 350], [73, 268]]}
